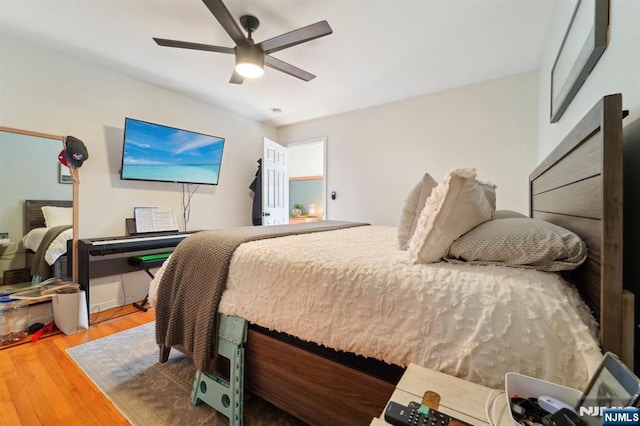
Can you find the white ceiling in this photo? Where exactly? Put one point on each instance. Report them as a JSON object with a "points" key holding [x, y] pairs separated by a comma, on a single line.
{"points": [[380, 50]]}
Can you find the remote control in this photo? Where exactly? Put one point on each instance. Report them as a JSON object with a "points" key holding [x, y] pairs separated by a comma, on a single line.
{"points": [[416, 414]]}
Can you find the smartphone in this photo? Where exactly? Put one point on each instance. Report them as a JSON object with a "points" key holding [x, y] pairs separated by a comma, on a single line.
{"points": [[613, 385]]}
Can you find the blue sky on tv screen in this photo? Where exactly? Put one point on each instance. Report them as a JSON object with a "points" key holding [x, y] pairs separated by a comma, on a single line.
{"points": [[149, 144]]}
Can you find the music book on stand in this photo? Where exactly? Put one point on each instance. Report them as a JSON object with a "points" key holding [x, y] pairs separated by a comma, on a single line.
{"points": [[154, 219]]}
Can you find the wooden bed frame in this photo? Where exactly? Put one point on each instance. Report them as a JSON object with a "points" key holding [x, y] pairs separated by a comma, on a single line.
{"points": [[34, 218], [578, 186]]}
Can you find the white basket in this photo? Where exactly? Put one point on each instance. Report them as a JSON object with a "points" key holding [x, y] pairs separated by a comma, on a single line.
{"points": [[530, 387]]}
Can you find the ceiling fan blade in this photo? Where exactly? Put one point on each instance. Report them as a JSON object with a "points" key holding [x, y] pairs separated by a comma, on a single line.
{"points": [[236, 78], [194, 46], [286, 68], [225, 18], [301, 35]]}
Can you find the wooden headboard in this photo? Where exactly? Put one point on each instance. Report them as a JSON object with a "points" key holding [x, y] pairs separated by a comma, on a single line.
{"points": [[579, 187], [33, 217]]}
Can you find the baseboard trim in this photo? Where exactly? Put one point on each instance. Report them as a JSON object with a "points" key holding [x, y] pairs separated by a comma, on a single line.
{"points": [[104, 305]]}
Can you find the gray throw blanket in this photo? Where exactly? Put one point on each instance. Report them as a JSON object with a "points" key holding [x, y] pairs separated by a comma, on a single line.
{"points": [[39, 267], [191, 287]]}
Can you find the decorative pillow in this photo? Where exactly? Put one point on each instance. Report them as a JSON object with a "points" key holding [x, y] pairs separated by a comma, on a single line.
{"points": [[506, 214], [458, 204], [56, 216], [412, 208], [521, 242]]}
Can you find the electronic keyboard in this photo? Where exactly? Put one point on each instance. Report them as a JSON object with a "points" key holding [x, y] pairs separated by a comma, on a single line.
{"points": [[138, 238]]}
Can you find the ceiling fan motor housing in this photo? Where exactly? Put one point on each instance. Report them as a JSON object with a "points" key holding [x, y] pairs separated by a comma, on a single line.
{"points": [[249, 61], [249, 54]]}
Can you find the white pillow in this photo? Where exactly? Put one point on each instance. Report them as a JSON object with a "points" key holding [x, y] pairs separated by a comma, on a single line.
{"points": [[56, 216], [458, 204], [412, 207]]}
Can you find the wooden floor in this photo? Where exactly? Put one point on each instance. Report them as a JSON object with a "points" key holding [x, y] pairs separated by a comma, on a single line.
{"points": [[41, 385]]}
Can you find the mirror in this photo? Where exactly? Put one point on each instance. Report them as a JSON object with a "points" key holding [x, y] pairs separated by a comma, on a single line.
{"points": [[30, 171]]}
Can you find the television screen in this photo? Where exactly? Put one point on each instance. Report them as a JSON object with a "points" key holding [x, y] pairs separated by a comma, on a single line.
{"points": [[160, 153]]}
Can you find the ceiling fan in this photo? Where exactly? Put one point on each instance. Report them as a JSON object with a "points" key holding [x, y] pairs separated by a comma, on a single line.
{"points": [[251, 57]]}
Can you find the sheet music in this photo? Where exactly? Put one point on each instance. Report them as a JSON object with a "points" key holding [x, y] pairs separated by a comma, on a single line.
{"points": [[154, 219]]}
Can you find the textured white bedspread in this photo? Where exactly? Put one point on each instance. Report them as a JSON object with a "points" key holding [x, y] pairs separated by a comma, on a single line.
{"points": [[57, 248], [353, 290]]}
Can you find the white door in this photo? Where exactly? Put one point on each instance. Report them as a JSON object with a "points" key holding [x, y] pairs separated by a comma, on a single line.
{"points": [[275, 184]]}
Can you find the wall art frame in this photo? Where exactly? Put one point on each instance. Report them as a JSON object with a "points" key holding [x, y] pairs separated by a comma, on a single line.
{"points": [[64, 174], [585, 40]]}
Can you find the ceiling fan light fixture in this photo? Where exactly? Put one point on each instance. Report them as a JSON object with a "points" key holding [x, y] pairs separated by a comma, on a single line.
{"points": [[249, 70], [249, 61]]}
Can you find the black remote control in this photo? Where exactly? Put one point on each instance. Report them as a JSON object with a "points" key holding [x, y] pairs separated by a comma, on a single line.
{"points": [[412, 415]]}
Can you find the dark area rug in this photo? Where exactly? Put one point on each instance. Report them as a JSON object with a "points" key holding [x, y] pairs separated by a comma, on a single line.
{"points": [[125, 368]]}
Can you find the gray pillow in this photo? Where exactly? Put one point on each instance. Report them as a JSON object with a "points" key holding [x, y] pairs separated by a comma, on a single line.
{"points": [[412, 207], [521, 242], [506, 214]]}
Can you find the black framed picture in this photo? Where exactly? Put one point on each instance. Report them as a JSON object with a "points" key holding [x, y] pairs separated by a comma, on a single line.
{"points": [[584, 42]]}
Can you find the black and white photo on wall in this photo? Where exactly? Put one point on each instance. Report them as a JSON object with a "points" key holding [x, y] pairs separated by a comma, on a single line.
{"points": [[64, 174], [584, 42]]}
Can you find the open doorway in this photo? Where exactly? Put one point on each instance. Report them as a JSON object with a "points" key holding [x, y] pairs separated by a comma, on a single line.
{"points": [[307, 181]]}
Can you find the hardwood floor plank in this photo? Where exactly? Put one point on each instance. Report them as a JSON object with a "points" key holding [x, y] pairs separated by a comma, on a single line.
{"points": [[7, 395], [23, 406], [42, 385]]}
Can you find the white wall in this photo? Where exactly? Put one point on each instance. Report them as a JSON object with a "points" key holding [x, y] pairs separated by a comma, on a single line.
{"points": [[617, 71], [46, 91], [375, 156], [306, 159]]}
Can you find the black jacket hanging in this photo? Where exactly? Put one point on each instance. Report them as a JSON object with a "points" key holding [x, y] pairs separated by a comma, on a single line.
{"points": [[256, 187]]}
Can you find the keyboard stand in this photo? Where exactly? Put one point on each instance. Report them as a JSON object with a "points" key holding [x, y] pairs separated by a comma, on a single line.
{"points": [[142, 304], [146, 264], [94, 260]]}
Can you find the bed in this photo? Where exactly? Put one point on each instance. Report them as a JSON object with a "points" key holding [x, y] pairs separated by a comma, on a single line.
{"points": [[35, 232], [304, 375]]}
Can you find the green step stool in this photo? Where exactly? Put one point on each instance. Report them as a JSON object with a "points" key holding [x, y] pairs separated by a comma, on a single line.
{"points": [[224, 396]]}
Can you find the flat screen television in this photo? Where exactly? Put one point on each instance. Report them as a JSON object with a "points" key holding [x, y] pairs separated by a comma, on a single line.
{"points": [[153, 152]]}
